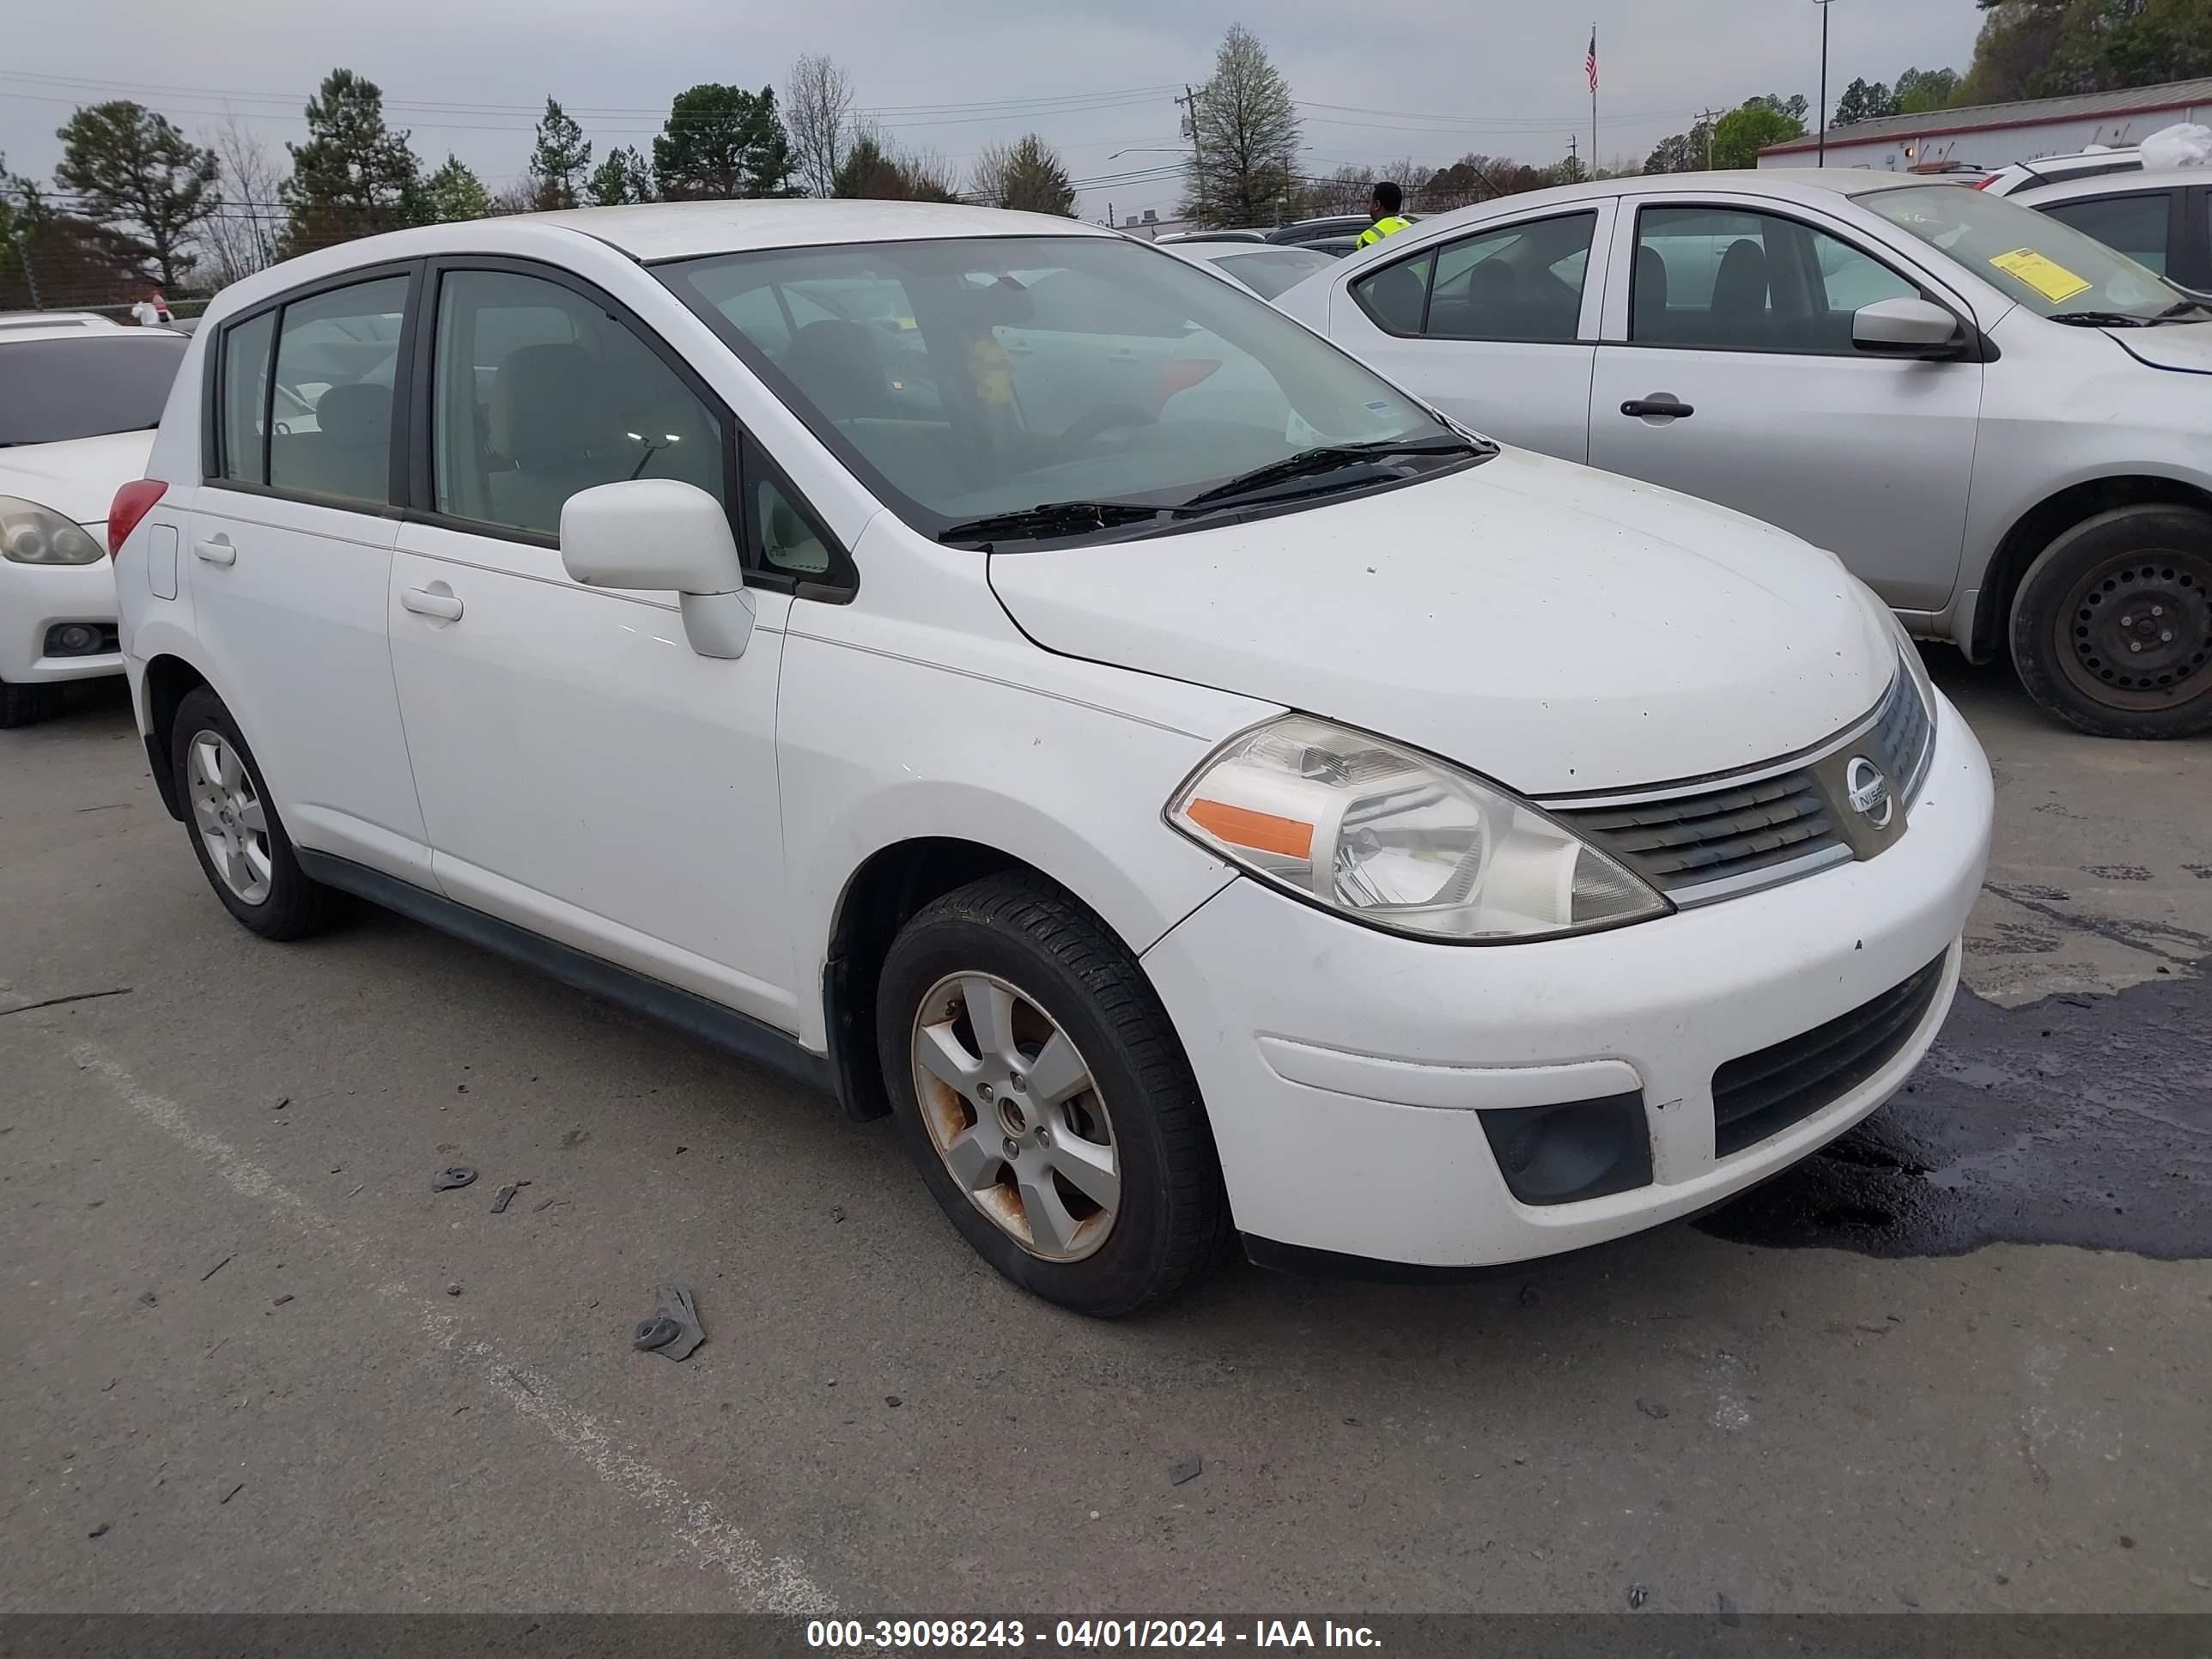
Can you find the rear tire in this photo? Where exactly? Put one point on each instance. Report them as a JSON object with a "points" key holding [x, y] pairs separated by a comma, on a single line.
{"points": [[1086, 1168], [237, 835], [2111, 626], [22, 705]]}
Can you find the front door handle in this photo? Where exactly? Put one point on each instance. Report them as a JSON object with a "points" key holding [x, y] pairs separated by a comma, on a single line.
{"points": [[423, 603], [1660, 405], [215, 549]]}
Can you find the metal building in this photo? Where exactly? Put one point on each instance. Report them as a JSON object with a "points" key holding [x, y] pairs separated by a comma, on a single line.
{"points": [[1990, 136]]}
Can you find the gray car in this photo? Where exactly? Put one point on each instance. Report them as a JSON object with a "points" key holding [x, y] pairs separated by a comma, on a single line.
{"points": [[2002, 425]]}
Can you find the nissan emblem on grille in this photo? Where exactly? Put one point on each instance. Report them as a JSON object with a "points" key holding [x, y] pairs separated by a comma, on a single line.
{"points": [[1868, 791]]}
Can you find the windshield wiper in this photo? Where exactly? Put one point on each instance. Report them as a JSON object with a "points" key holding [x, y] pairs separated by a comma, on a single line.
{"points": [[1050, 519], [2179, 311], [2101, 319], [1328, 458]]}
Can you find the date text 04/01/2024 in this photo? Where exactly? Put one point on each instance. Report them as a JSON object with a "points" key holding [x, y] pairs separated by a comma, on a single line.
{"points": [[1087, 1634]]}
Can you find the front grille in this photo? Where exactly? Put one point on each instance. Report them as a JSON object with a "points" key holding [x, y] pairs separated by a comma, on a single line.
{"points": [[1690, 839], [1762, 1094]]}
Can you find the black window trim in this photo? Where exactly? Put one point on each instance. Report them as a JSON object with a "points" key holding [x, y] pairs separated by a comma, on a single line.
{"points": [[1434, 252], [211, 423], [420, 498], [1976, 347]]}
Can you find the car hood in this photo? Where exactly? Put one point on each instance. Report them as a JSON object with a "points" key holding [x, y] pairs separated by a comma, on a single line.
{"points": [[2184, 347], [1557, 629], [78, 477]]}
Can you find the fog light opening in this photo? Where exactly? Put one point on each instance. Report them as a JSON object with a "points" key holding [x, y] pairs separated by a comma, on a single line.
{"points": [[1581, 1150]]}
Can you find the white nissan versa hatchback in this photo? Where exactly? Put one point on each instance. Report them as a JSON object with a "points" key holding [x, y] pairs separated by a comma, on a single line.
{"points": [[1290, 814]]}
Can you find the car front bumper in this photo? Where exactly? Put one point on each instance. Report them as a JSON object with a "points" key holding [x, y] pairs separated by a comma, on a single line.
{"points": [[36, 598], [1345, 1070]]}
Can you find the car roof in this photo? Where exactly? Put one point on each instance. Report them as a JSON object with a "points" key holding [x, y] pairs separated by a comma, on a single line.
{"points": [[680, 230], [2128, 183], [90, 328], [46, 324]]}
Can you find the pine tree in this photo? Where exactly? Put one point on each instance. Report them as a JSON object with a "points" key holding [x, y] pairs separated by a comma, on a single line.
{"points": [[355, 176], [135, 174], [1244, 130], [560, 161], [624, 177], [721, 142], [454, 192], [1026, 175]]}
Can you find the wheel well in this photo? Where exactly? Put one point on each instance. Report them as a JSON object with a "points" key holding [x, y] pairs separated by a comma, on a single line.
{"points": [[2043, 524], [167, 681], [882, 895]]}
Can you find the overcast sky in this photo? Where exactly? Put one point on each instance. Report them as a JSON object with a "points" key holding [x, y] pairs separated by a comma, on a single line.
{"points": [[1426, 78]]}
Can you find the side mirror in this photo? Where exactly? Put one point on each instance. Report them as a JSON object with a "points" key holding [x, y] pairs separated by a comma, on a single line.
{"points": [[1904, 328], [662, 533]]}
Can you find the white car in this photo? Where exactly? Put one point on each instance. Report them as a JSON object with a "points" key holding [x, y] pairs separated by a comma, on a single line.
{"points": [[2001, 425], [1266, 268], [1324, 825], [78, 400], [2161, 218], [2061, 170]]}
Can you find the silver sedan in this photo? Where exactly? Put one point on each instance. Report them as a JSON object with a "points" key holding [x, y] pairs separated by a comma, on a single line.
{"points": [[2003, 426]]}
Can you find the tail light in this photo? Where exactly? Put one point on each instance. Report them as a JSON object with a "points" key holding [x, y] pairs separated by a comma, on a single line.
{"points": [[133, 502], [1984, 183]]}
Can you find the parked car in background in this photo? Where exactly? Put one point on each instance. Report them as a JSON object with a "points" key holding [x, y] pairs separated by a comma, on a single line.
{"points": [[1210, 236], [2162, 220], [79, 397], [2000, 424], [1295, 817], [2061, 170], [1265, 268], [1328, 227]]}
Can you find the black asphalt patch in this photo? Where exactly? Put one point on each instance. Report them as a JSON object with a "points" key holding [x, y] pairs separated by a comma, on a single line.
{"points": [[2082, 1121]]}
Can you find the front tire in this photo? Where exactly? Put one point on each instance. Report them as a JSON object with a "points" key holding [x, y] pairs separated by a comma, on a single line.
{"points": [[1039, 1085], [239, 838], [22, 705], [2111, 627]]}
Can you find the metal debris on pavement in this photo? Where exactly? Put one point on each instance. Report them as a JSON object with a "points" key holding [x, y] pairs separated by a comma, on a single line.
{"points": [[100, 1531], [147, 1297], [1638, 1595], [506, 1196], [233, 1491], [674, 1330], [454, 1288], [1185, 1470], [213, 1271], [453, 1177]]}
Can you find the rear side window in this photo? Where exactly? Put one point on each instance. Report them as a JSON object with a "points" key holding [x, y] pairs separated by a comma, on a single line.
{"points": [[2137, 225], [1524, 282], [244, 399], [1396, 295], [537, 393], [54, 390]]}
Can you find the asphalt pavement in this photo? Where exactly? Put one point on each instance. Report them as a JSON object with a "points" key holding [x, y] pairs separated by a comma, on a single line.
{"points": [[253, 1360]]}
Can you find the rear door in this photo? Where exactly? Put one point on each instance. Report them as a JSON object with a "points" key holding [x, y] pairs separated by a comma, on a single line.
{"points": [[1497, 328], [1727, 372], [289, 555]]}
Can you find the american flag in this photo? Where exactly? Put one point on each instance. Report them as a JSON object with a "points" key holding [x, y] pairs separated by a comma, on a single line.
{"points": [[1589, 64]]}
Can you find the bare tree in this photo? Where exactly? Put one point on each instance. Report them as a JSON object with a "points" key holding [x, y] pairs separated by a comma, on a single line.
{"points": [[818, 112], [1345, 191], [241, 236], [516, 195], [1244, 130]]}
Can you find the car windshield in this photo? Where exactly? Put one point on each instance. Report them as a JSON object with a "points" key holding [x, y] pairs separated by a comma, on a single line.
{"points": [[2050, 268], [53, 390], [966, 381], [1269, 273]]}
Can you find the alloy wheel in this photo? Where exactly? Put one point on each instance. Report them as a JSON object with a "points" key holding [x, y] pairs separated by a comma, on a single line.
{"points": [[228, 812], [1011, 1108]]}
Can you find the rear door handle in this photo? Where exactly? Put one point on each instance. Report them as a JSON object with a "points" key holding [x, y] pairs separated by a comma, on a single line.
{"points": [[1663, 405], [215, 549], [423, 603]]}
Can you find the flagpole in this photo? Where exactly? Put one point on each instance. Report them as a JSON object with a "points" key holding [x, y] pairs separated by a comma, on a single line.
{"points": [[1593, 166]]}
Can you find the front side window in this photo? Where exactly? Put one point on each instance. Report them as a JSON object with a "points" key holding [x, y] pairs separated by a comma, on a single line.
{"points": [[2135, 225], [537, 393], [330, 414], [1086, 385], [54, 390], [1727, 280], [1524, 282], [2042, 263]]}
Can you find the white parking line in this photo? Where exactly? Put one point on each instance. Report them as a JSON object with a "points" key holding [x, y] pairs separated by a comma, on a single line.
{"points": [[766, 1583]]}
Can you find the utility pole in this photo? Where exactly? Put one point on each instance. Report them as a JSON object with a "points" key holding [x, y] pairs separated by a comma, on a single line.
{"points": [[1709, 117], [1820, 154], [1574, 168], [1188, 104]]}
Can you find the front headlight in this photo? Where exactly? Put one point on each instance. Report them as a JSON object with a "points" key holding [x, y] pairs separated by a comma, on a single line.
{"points": [[1399, 840], [31, 534]]}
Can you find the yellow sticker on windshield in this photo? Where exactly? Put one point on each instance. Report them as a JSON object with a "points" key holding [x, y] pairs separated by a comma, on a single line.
{"points": [[2046, 277]]}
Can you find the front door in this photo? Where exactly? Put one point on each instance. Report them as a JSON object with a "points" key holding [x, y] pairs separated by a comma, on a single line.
{"points": [[583, 772], [289, 555], [1727, 372]]}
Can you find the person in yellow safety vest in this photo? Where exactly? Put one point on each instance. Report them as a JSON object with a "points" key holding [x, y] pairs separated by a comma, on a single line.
{"points": [[1384, 206]]}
